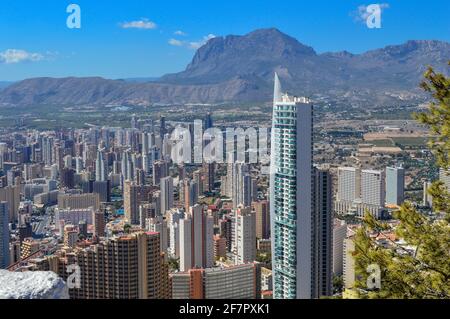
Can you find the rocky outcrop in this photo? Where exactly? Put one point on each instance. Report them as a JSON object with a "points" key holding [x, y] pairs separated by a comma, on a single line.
{"points": [[32, 285]]}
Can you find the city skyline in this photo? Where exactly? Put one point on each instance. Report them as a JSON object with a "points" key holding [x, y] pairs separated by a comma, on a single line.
{"points": [[267, 169]]}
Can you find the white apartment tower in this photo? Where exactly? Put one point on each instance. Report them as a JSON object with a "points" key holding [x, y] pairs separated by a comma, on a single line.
{"points": [[372, 187], [245, 236], [291, 202], [348, 184]]}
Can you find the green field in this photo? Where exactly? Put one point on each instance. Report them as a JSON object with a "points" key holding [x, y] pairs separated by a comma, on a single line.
{"points": [[382, 143], [411, 141]]}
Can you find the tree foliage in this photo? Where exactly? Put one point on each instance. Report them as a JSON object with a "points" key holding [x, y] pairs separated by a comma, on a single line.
{"points": [[417, 264]]}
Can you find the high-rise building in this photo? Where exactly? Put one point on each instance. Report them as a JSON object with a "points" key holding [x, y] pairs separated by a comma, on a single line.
{"points": [[196, 239], [339, 234], [245, 236], [208, 121], [262, 214], [322, 232], [348, 183], [11, 195], [99, 224], [162, 127], [133, 196], [136, 268], [209, 174], [159, 225], [185, 229], [70, 235], [291, 195], [373, 187], [395, 185], [189, 194], [160, 170], [67, 176], [220, 247], [101, 173], [4, 235], [166, 194], [78, 201], [242, 185], [228, 282], [131, 202]]}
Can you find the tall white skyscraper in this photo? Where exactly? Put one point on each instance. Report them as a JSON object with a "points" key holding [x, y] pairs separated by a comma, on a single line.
{"points": [[372, 187], [395, 185], [291, 195]]}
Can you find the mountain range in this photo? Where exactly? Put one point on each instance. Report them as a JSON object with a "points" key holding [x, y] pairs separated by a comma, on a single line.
{"points": [[241, 68]]}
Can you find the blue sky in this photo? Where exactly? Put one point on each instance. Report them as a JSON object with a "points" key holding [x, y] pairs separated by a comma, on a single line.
{"points": [[135, 38]]}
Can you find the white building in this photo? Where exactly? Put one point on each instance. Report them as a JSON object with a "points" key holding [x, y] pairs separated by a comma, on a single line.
{"points": [[372, 188], [185, 244], [339, 234], [348, 183], [245, 232], [291, 195]]}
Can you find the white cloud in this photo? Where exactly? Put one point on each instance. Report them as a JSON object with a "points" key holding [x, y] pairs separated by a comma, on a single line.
{"points": [[191, 44], [361, 14], [139, 24], [200, 43], [176, 42], [11, 56], [181, 33]]}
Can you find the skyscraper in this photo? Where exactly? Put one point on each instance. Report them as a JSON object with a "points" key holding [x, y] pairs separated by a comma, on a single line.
{"points": [[262, 219], [4, 235], [166, 194], [131, 202], [245, 236], [322, 232], [373, 187], [395, 185], [196, 239], [348, 184], [135, 268], [100, 168], [291, 195]]}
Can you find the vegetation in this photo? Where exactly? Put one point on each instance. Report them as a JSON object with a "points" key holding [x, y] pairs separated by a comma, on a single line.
{"points": [[419, 267], [174, 264]]}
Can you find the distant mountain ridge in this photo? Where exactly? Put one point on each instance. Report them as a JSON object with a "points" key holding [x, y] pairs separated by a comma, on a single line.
{"points": [[240, 69]]}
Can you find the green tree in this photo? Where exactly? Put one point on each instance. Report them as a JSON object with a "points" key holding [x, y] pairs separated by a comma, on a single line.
{"points": [[420, 266]]}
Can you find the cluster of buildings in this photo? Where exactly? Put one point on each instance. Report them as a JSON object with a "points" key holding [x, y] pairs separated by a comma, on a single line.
{"points": [[110, 212]]}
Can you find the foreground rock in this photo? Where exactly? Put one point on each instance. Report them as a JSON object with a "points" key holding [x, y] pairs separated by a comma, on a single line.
{"points": [[32, 285]]}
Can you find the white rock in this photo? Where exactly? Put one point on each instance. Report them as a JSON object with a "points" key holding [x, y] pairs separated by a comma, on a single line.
{"points": [[32, 285]]}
